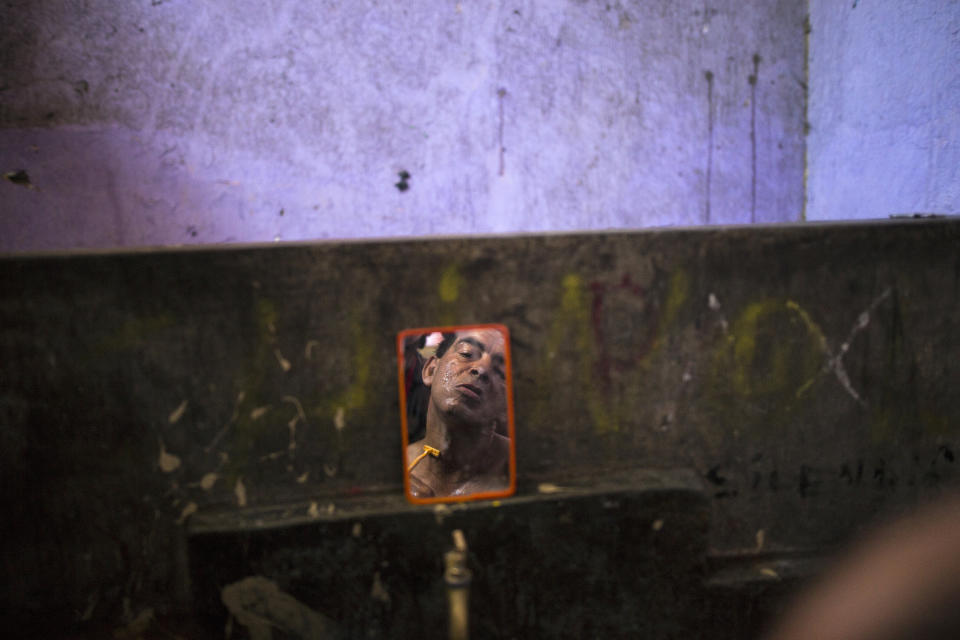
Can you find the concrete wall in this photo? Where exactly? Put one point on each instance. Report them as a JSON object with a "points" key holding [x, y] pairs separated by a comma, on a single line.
{"points": [[884, 96], [167, 122], [806, 374]]}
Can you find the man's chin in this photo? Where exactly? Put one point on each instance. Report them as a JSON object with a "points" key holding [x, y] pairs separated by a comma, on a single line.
{"points": [[462, 415]]}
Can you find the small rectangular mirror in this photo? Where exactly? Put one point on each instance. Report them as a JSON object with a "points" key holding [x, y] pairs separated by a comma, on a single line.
{"points": [[456, 405]]}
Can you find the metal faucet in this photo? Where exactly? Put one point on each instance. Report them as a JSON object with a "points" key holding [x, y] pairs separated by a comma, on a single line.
{"points": [[458, 576]]}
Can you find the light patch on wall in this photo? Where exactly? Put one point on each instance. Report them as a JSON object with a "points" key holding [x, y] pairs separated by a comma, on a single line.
{"points": [[188, 511], [283, 362], [208, 480], [167, 461], [177, 413], [240, 491]]}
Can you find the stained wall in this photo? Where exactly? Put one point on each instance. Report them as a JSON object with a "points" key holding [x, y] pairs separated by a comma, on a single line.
{"points": [[161, 122], [803, 375]]}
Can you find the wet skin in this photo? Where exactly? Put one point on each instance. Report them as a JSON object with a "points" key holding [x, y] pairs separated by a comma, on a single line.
{"points": [[468, 405]]}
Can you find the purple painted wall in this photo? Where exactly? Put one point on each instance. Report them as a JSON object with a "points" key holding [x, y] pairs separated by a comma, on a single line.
{"points": [[884, 108], [160, 122]]}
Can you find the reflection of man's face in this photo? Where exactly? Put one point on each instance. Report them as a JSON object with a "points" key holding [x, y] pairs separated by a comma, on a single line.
{"points": [[468, 382]]}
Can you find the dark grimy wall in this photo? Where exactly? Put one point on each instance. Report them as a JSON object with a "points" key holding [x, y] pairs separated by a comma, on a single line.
{"points": [[807, 374]]}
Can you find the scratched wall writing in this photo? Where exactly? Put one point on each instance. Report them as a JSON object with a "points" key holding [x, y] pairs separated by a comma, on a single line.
{"points": [[928, 468]]}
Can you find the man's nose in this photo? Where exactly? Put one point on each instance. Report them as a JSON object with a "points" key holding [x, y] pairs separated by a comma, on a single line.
{"points": [[481, 368]]}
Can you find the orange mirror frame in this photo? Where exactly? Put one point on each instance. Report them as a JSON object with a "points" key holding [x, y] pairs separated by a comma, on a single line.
{"points": [[456, 406]]}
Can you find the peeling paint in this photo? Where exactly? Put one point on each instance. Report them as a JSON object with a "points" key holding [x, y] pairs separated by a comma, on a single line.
{"points": [[188, 511], [240, 491], [714, 304], [208, 480], [177, 413], [377, 590], [314, 510], [168, 462], [339, 421], [292, 423], [283, 362]]}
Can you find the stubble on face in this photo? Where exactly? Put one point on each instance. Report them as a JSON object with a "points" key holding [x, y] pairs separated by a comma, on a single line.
{"points": [[469, 382]]}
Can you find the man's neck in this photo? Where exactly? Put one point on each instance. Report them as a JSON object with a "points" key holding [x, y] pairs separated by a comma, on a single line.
{"points": [[463, 448]]}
